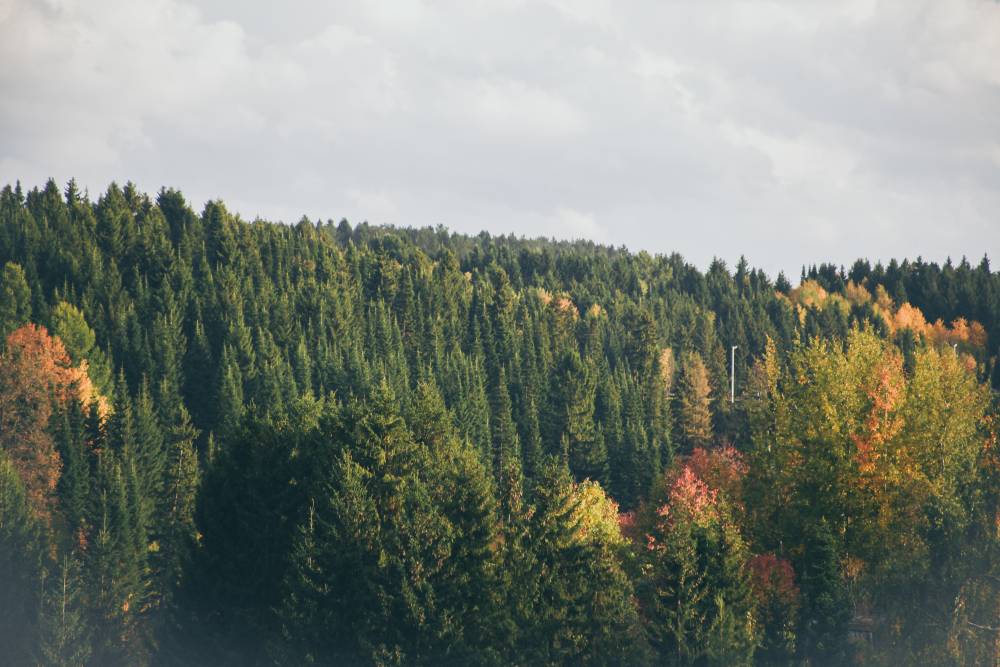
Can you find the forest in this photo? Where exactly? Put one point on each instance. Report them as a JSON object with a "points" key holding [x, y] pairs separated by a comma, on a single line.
{"points": [[226, 442]]}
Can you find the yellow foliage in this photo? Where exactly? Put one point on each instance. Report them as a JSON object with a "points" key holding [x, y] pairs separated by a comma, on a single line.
{"points": [[882, 299], [668, 366], [809, 294], [837, 301], [896, 442], [596, 515], [857, 294], [86, 391]]}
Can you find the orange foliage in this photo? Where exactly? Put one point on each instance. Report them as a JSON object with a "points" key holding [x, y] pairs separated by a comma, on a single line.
{"points": [[565, 305], [721, 468], [883, 300], [36, 374], [886, 394], [910, 317], [961, 332]]}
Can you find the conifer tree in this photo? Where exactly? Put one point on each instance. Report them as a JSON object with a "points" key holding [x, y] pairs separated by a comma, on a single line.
{"points": [[571, 415], [64, 638], [116, 568], [506, 444], [74, 483], [694, 413], [826, 607], [15, 299], [150, 458], [21, 557]]}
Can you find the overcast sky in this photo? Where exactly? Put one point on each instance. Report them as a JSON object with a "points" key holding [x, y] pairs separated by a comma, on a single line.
{"points": [[792, 132]]}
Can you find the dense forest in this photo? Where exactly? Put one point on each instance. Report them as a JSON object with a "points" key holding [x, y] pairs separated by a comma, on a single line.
{"points": [[246, 443]]}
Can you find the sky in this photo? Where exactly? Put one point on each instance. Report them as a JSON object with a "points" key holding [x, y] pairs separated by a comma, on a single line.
{"points": [[790, 132]]}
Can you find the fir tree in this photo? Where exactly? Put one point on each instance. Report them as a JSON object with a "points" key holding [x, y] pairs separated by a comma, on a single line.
{"points": [[64, 639]]}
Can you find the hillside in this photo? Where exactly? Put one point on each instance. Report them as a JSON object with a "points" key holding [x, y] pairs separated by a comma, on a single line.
{"points": [[231, 442]]}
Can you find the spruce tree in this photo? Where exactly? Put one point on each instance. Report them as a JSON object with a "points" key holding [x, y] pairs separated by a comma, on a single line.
{"points": [[64, 637], [826, 607], [21, 560], [15, 299], [694, 411]]}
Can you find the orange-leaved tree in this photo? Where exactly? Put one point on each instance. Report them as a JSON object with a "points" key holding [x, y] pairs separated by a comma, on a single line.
{"points": [[36, 374]]}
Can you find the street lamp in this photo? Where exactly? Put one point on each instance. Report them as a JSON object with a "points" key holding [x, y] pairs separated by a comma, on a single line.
{"points": [[732, 374]]}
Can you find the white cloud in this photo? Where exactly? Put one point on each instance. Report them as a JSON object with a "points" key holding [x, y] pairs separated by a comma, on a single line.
{"points": [[576, 224], [791, 132]]}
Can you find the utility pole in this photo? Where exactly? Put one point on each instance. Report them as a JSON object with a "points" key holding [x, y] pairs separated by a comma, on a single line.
{"points": [[732, 375]]}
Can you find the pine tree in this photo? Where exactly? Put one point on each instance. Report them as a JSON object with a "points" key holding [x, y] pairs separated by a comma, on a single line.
{"points": [[21, 557], [231, 402], [696, 588], [571, 415], [150, 459], [571, 600], [115, 566], [529, 425], [695, 414], [64, 638], [15, 299], [506, 444], [220, 241], [74, 484], [826, 608]]}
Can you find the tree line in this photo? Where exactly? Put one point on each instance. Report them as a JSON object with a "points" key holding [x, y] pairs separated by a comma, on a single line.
{"points": [[230, 442]]}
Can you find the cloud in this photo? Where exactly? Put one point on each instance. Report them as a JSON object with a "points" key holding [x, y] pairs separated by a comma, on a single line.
{"points": [[575, 224], [792, 133]]}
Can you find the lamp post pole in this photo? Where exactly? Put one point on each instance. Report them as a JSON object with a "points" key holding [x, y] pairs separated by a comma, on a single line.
{"points": [[732, 374]]}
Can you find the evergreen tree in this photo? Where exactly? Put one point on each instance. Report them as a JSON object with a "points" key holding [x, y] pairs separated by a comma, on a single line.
{"points": [[64, 639], [116, 568], [15, 299], [506, 444], [74, 483], [572, 396], [21, 558], [694, 413], [826, 607]]}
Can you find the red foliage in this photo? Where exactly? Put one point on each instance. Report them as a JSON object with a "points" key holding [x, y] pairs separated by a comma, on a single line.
{"points": [[690, 494], [774, 579], [720, 469], [628, 526]]}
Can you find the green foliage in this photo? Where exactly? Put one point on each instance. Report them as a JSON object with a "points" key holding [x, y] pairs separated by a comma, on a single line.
{"points": [[695, 582], [64, 639], [394, 560], [15, 299], [408, 440], [21, 554]]}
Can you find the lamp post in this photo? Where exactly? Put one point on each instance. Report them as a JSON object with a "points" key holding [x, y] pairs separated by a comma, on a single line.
{"points": [[732, 375]]}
